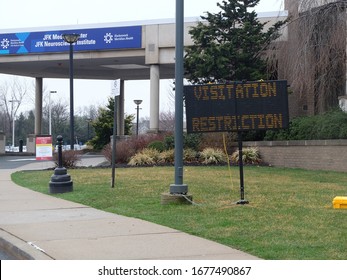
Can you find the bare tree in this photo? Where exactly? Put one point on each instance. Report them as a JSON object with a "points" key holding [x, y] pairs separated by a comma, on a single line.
{"points": [[2, 119], [90, 111], [13, 94], [171, 95], [313, 59], [167, 121], [143, 125], [59, 117]]}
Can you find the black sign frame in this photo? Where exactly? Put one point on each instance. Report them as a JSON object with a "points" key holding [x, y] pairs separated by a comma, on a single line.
{"points": [[237, 106]]}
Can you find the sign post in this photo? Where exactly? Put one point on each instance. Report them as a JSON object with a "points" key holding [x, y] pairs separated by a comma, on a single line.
{"points": [[116, 92], [237, 107], [242, 184]]}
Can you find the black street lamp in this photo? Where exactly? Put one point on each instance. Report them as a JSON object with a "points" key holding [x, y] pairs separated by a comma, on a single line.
{"points": [[137, 102], [71, 39]]}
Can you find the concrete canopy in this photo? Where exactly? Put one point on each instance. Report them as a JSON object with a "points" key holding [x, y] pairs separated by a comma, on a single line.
{"points": [[108, 65], [157, 47]]}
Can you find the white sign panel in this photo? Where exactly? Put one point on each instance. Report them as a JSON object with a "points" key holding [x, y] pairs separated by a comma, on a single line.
{"points": [[115, 87]]}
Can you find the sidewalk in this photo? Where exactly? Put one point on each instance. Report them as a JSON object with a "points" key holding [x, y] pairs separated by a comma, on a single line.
{"points": [[43, 227]]}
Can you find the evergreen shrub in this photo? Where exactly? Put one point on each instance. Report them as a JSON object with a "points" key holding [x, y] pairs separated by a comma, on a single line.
{"points": [[190, 141], [157, 145], [330, 125]]}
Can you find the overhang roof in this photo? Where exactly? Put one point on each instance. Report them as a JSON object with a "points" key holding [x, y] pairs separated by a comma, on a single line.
{"points": [[127, 64]]}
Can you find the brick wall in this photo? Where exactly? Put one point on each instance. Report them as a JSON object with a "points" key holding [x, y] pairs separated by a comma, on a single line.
{"points": [[313, 154]]}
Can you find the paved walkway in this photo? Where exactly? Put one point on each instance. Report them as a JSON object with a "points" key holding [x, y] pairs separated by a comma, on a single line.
{"points": [[38, 226]]}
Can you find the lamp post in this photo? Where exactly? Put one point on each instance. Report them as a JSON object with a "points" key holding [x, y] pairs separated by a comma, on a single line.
{"points": [[50, 112], [13, 120], [137, 102], [71, 39]]}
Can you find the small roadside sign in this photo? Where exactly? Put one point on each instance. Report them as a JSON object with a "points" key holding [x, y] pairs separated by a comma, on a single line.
{"points": [[44, 148]]}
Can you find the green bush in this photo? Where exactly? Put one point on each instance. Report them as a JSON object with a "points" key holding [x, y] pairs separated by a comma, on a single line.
{"points": [[249, 156], [190, 141], [330, 125], [212, 156], [157, 145], [169, 142]]}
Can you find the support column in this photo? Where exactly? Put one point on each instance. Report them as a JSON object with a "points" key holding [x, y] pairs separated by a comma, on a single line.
{"points": [[154, 99], [346, 53], [120, 110], [38, 106], [2, 142]]}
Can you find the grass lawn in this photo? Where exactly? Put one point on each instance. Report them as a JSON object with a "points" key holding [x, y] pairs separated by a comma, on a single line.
{"points": [[290, 215]]}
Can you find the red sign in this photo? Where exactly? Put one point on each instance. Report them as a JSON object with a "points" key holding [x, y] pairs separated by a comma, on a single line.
{"points": [[44, 148]]}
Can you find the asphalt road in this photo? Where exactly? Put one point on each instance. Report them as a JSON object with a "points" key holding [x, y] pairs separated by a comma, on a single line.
{"points": [[12, 162]]}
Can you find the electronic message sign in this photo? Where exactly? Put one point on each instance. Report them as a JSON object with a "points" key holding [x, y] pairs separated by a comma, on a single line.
{"points": [[52, 41], [236, 106]]}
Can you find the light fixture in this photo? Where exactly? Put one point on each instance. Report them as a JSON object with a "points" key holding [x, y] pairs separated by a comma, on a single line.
{"points": [[137, 102], [71, 38]]}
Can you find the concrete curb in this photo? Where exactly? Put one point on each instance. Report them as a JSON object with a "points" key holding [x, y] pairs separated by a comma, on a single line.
{"points": [[19, 249]]}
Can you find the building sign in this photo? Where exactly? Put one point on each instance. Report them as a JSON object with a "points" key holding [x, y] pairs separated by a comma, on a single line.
{"points": [[236, 106], [44, 148], [52, 41]]}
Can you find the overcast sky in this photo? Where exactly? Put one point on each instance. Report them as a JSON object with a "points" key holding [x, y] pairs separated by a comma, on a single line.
{"points": [[16, 14]]}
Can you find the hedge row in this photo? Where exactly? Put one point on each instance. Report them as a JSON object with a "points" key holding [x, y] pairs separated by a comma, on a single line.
{"points": [[330, 125]]}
